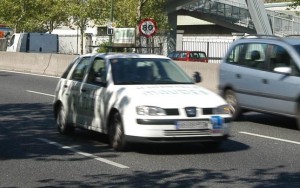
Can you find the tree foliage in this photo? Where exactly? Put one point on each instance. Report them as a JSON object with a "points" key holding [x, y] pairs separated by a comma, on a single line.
{"points": [[296, 3], [33, 15], [46, 15], [130, 12]]}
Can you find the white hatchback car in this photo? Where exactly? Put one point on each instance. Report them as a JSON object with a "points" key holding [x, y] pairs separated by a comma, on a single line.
{"points": [[138, 98]]}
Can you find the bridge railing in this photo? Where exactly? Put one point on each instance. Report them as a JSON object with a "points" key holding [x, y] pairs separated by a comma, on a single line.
{"points": [[236, 12]]}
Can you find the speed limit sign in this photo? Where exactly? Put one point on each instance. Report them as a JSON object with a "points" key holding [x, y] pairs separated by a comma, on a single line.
{"points": [[148, 27]]}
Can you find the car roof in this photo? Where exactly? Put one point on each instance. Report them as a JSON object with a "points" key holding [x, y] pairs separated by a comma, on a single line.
{"points": [[291, 40], [130, 55], [187, 51]]}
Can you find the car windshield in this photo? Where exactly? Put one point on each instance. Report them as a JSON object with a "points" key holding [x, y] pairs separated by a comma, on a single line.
{"points": [[147, 71]]}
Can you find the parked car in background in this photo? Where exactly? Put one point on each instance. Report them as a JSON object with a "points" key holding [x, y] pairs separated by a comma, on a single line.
{"points": [[262, 73], [189, 56], [138, 98]]}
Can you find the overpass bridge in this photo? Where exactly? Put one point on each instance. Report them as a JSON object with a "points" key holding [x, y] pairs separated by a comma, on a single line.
{"points": [[244, 16]]}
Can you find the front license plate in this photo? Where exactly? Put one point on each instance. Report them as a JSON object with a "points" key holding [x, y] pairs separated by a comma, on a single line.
{"points": [[192, 124]]}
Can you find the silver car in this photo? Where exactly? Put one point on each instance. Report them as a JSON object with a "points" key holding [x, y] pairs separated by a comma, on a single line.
{"points": [[262, 73]]}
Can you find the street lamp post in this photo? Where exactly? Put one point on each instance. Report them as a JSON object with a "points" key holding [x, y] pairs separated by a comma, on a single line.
{"points": [[111, 21]]}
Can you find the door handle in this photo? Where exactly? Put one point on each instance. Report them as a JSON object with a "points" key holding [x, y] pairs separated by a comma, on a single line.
{"points": [[65, 86], [265, 81], [238, 76], [83, 90]]}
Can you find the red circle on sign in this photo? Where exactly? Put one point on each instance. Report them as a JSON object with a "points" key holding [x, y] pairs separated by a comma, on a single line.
{"points": [[148, 27]]}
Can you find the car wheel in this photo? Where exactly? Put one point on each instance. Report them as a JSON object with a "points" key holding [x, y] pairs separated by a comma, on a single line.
{"points": [[62, 125], [231, 99], [116, 133]]}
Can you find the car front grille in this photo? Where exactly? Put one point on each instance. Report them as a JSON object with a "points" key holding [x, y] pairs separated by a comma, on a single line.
{"points": [[175, 112], [180, 133], [207, 111]]}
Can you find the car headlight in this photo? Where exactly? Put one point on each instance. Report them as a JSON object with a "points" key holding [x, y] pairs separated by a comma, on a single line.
{"points": [[224, 109], [150, 111]]}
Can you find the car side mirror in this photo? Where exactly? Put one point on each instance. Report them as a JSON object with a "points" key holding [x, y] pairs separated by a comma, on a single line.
{"points": [[283, 70], [197, 77]]}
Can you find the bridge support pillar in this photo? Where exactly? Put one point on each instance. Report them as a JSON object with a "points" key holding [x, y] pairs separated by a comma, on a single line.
{"points": [[259, 17]]}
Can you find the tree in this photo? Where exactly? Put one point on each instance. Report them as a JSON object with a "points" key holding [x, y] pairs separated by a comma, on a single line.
{"points": [[81, 12], [14, 13], [52, 14], [295, 3], [131, 12], [46, 15], [33, 15]]}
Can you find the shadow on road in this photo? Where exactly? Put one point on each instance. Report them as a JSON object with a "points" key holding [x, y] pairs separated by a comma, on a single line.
{"points": [[271, 120], [22, 124]]}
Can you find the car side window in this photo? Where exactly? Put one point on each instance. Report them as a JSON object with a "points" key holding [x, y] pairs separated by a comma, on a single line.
{"points": [[279, 57], [235, 54], [97, 73], [202, 55], [80, 69], [182, 55], [255, 56], [252, 55]]}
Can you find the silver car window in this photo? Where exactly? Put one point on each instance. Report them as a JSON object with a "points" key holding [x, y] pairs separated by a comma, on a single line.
{"points": [[80, 69], [252, 55]]}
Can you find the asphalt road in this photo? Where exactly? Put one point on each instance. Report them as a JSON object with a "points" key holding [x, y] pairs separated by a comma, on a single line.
{"points": [[263, 150]]}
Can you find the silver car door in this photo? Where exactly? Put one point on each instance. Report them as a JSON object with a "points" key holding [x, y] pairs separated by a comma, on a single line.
{"points": [[280, 89], [248, 75]]}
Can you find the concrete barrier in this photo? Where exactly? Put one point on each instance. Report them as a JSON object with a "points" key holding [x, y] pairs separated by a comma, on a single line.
{"points": [[208, 71], [55, 64], [38, 63]]}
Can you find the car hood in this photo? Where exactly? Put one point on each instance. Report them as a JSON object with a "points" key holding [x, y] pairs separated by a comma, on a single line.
{"points": [[172, 96]]}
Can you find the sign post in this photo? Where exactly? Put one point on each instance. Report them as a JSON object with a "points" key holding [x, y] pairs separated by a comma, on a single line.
{"points": [[148, 28]]}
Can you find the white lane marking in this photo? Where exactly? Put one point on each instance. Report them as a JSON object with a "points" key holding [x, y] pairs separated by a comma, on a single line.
{"points": [[84, 153], [42, 75], [269, 137], [40, 93]]}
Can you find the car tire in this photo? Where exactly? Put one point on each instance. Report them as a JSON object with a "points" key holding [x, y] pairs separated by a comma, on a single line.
{"points": [[62, 124], [116, 133], [235, 109]]}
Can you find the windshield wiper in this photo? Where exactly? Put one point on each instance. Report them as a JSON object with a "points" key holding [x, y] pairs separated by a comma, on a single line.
{"points": [[172, 82], [130, 82]]}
